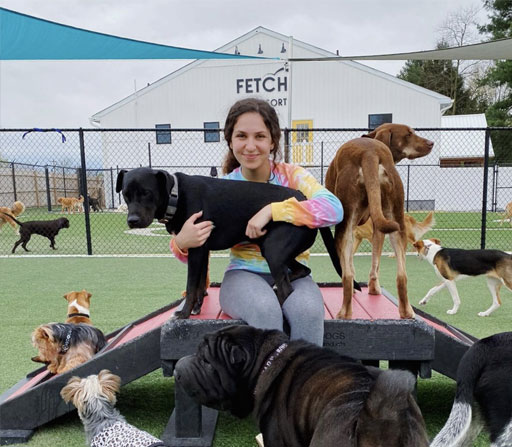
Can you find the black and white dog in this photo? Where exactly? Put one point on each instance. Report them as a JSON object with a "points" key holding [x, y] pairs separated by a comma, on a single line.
{"points": [[484, 395], [452, 264], [154, 194]]}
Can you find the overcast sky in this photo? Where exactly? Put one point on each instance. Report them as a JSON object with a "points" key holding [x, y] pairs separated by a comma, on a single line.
{"points": [[64, 94]]}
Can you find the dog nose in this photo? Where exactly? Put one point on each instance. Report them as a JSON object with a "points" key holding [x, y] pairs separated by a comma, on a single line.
{"points": [[133, 220], [430, 144]]}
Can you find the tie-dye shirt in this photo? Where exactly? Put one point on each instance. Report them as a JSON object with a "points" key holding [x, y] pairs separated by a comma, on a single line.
{"points": [[321, 209]]}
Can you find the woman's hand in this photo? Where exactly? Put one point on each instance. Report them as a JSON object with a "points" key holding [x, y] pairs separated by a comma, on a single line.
{"points": [[255, 226], [193, 234]]}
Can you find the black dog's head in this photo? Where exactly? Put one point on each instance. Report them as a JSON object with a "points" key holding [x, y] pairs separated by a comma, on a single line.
{"points": [[223, 371], [146, 193], [63, 222]]}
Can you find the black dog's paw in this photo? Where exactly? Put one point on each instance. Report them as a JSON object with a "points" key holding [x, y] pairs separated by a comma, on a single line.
{"points": [[196, 311], [180, 315]]}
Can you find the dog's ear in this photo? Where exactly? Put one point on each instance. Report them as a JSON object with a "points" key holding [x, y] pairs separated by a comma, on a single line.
{"points": [[110, 384], [69, 391], [383, 135], [119, 182], [418, 245], [436, 240], [88, 294], [165, 183], [66, 296], [369, 135]]}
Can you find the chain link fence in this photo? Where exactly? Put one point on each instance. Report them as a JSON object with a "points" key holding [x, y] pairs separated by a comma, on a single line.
{"points": [[462, 181]]}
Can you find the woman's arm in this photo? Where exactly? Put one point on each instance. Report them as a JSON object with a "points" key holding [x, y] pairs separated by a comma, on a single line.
{"points": [[321, 209], [191, 235]]}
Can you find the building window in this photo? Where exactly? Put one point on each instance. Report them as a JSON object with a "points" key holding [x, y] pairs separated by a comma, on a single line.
{"points": [[211, 136], [163, 133], [376, 119]]}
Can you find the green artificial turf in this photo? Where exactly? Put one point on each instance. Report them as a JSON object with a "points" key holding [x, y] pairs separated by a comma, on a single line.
{"points": [[125, 289]]}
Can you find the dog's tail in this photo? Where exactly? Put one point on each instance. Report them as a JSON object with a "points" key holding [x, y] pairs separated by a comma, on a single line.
{"points": [[458, 426], [13, 218], [391, 406], [420, 228], [328, 239], [370, 168]]}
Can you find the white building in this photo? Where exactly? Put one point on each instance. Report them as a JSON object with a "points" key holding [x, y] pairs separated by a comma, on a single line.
{"points": [[340, 94]]}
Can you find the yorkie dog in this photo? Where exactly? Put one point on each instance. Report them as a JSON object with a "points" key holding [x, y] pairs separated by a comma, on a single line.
{"points": [[95, 399], [63, 346], [78, 307]]}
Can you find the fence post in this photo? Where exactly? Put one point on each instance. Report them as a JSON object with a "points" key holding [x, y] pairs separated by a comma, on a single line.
{"points": [[14, 182], [408, 176], [149, 154], [64, 180], [112, 186], [322, 163], [484, 198], [48, 195], [83, 178], [287, 145]]}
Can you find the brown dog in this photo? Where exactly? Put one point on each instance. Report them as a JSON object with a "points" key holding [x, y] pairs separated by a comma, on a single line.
{"points": [[70, 204], [507, 214], [78, 307], [414, 229], [62, 346], [16, 209], [363, 176]]}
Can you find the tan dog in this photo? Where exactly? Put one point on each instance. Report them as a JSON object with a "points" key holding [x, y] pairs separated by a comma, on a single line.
{"points": [[78, 206], [69, 204], [507, 214], [16, 209], [78, 307], [62, 346], [363, 176], [414, 229]]}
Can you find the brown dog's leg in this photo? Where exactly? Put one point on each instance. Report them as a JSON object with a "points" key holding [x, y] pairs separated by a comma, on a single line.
{"points": [[377, 243], [399, 242], [344, 245]]}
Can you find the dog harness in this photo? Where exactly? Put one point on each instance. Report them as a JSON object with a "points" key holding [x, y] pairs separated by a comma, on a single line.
{"points": [[173, 200], [122, 434]]}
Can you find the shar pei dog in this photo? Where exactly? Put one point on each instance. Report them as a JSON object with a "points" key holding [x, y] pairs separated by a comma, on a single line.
{"points": [[301, 394]]}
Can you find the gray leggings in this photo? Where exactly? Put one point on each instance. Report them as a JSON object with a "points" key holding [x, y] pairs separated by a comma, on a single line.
{"points": [[249, 296]]}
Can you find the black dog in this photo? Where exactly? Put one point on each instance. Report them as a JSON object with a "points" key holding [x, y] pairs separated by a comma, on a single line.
{"points": [[484, 375], [230, 204], [301, 394], [94, 203], [46, 228]]}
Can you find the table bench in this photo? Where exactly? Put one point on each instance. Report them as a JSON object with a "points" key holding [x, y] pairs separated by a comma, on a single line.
{"points": [[375, 333]]}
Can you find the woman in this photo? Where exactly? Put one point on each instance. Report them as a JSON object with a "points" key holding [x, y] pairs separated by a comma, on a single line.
{"points": [[253, 134]]}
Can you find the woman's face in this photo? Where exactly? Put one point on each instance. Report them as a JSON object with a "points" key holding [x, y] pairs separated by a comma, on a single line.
{"points": [[251, 144]]}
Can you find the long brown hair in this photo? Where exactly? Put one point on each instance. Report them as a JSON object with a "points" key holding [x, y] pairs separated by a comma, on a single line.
{"points": [[270, 118]]}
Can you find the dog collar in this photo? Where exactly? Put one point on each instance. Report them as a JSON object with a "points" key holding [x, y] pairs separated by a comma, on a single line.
{"points": [[78, 314], [173, 199], [67, 342], [270, 359]]}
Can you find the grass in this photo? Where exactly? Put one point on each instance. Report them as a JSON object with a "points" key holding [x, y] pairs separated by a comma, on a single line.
{"points": [[109, 234], [125, 289]]}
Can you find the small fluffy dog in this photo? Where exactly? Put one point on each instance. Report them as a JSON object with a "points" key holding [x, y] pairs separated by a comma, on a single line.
{"points": [[46, 228], [78, 307], [507, 215], [78, 206], [63, 346], [414, 229], [95, 399], [484, 395], [15, 210], [452, 264]]}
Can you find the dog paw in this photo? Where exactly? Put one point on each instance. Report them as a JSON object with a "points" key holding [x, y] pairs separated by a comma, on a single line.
{"points": [[423, 301], [451, 311], [483, 314], [179, 315]]}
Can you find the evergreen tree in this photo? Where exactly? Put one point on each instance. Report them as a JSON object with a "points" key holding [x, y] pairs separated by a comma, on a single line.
{"points": [[499, 76]]}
